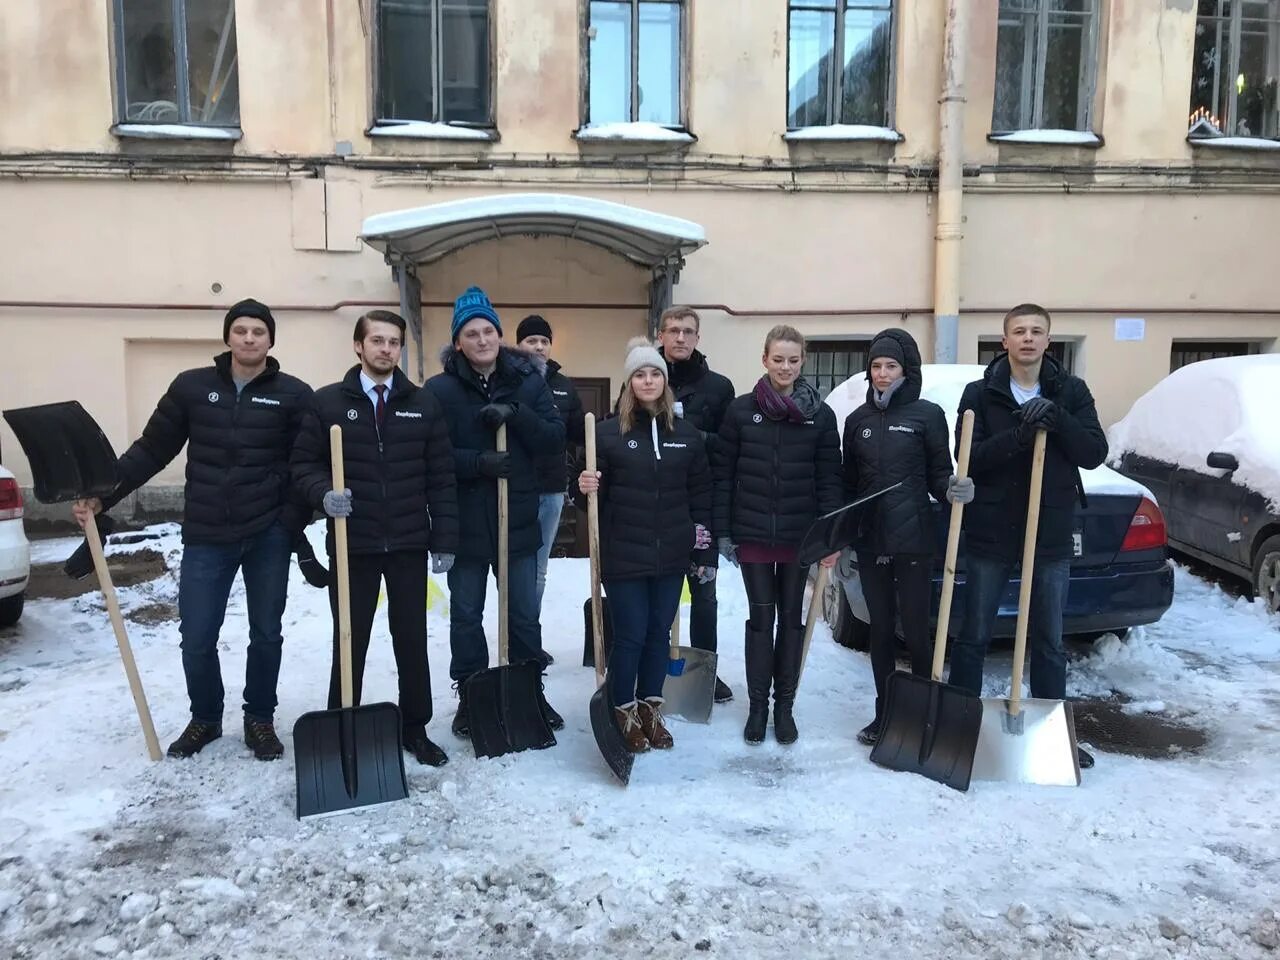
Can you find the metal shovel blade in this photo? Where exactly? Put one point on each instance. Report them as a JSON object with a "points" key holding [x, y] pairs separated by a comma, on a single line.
{"points": [[347, 759], [689, 689], [1035, 745], [604, 724], [504, 705], [930, 728]]}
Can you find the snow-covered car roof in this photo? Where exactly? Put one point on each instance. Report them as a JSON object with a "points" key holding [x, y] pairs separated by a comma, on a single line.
{"points": [[1228, 405], [943, 383]]}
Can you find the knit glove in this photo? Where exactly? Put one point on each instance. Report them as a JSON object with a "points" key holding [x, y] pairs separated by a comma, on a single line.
{"points": [[705, 574], [338, 504], [442, 562], [959, 489], [701, 537], [727, 549]]}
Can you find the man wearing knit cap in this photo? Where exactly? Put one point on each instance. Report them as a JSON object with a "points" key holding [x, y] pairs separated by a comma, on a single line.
{"points": [[534, 336], [238, 420], [484, 385]]}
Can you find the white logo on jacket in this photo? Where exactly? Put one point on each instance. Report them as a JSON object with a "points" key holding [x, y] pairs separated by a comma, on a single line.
{"points": [[269, 402], [757, 418], [352, 415], [898, 428], [866, 433], [632, 444], [409, 413], [677, 446], [213, 396]]}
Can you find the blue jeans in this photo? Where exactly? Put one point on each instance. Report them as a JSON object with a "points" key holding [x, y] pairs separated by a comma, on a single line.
{"points": [[985, 582], [642, 610], [204, 584], [468, 581], [549, 507]]}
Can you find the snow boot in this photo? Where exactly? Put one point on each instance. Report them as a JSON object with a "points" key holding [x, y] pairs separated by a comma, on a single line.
{"points": [[423, 749], [1084, 757], [554, 720], [759, 679], [655, 731], [787, 657], [632, 732], [723, 693], [461, 719], [260, 737], [195, 738]]}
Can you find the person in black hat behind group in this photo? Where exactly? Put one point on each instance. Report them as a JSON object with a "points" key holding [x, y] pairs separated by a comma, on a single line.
{"points": [[238, 420]]}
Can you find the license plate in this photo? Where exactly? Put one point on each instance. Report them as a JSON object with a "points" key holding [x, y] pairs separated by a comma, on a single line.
{"points": [[1077, 543]]}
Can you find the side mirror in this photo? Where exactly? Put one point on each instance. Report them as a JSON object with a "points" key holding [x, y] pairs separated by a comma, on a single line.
{"points": [[1223, 461]]}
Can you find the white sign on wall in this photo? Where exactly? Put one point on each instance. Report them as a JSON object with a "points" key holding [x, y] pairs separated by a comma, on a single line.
{"points": [[1131, 328]]}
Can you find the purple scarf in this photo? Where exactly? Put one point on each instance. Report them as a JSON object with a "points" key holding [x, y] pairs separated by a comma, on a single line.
{"points": [[774, 405]]}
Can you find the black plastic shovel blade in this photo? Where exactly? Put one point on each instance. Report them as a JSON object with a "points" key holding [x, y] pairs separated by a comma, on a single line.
{"points": [[588, 645], [930, 728], [71, 458], [348, 759], [604, 724], [504, 705], [834, 531]]}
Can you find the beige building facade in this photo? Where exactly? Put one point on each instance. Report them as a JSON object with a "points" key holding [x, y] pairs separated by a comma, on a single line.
{"points": [[161, 159]]}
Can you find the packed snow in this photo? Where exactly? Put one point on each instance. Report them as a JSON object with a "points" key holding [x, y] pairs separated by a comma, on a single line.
{"points": [[640, 132], [716, 848], [426, 130], [1070, 138], [844, 131], [175, 131]]}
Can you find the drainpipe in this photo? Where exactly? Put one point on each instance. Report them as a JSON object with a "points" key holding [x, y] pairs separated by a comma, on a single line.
{"points": [[949, 234]]}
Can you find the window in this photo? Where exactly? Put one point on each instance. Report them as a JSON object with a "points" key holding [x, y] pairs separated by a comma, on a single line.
{"points": [[1237, 63], [1064, 351], [1045, 65], [176, 62], [855, 34], [634, 62], [433, 62], [1183, 352], [829, 363]]}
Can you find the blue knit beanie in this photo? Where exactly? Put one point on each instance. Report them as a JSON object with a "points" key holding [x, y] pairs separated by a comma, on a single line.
{"points": [[472, 304]]}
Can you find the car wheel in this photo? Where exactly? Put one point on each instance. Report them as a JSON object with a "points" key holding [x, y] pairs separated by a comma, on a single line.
{"points": [[11, 610], [1266, 574], [846, 629]]}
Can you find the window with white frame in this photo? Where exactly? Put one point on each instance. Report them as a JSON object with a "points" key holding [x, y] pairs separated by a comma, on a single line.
{"points": [[1236, 67], [176, 62], [634, 61], [1046, 64], [839, 63], [433, 62], [829, 363]]}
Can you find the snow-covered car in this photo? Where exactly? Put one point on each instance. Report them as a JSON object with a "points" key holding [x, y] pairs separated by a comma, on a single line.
{"points": [[1206, 439], [1120, 577], [15, 552]]}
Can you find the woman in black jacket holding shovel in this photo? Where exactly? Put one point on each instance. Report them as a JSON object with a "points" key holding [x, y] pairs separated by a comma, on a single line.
{"points": [[895, 436], [654, 487], [777, 468]]}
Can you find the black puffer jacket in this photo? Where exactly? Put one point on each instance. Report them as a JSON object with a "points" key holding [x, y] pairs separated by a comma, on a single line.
{"points": [[773, 478], [704, 395], [537, 431], [650, 503], [403, 493], [907, 442], [995, 522], [553, 471], [237, 451]]}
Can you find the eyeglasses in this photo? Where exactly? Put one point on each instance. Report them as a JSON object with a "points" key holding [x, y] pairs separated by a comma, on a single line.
{"points": [[682, 332]]}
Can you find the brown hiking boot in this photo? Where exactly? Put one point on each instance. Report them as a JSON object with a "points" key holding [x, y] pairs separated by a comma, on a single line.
{"points": [[260, 737], [655, 730], [629, 724], [194, 738]]}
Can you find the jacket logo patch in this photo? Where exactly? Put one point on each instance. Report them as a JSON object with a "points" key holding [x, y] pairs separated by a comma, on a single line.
{"points": [[808, 423], [213, 396], [676, 446], [866, 433], [757, 418], [561, 393], [269, 402], [352, 415], [632, 444], [898, 428], [409, 413]]}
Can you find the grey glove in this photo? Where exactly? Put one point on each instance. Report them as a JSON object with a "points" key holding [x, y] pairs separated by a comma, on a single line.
{"points": [[706, 574], [959, 489], [442, 562], [727, 549], [338, 504]]}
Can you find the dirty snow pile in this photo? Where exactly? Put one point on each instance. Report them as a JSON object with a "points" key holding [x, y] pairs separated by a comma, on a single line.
{"points": [[716, 849]]}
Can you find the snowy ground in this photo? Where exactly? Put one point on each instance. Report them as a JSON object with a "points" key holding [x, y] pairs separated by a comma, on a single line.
{"points": [[716, 849]]}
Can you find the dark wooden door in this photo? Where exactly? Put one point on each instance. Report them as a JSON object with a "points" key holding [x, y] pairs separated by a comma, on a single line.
{"points": [[571, 540]]}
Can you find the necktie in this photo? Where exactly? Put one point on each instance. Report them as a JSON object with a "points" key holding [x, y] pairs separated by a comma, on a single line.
{"points": [[380, 407]]}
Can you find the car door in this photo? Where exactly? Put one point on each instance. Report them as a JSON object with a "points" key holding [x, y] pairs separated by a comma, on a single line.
{"points": [[1208, 514]]}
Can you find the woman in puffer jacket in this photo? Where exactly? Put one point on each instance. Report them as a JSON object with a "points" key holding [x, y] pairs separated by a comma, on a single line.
{"points": [[777, 468]]}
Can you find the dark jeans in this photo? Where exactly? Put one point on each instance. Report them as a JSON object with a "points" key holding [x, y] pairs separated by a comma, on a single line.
{"points": [[984, 584], [405, 573], [899, 588], [775, 587], [550, 506], [642, 610], [702, 614], [468, 581], [204, 583]]}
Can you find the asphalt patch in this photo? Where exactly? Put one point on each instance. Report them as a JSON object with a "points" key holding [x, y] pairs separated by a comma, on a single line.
{"points": [[1154, 736]]}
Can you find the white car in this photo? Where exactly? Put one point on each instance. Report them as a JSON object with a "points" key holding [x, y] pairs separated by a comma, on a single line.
{"points": [[15, 552]]}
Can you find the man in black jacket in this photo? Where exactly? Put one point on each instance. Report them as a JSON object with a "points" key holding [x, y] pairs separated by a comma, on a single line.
{"points": [[400, 501], [484, 385], [702, 397], [238, 419], [1024, 391]]}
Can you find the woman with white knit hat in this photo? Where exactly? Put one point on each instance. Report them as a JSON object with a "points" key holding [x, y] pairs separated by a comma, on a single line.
{"points": [[654, 486]]}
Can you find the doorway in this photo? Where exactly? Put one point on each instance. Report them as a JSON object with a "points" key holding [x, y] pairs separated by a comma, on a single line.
{"points": [[571, 538]]}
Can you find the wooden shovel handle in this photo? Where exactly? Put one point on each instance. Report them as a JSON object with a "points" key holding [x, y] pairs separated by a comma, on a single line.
{"points": [[674, 653], [593, 548], [815, 607], [343, 573], [500, 443], [953, 551], [1028, 568]]}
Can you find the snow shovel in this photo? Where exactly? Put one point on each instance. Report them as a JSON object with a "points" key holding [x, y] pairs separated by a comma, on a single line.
{"points": [[504, 702], [71, 459], [351, 757], [604, 721], [1027, 741], [815, 606], [689, 689], [834, 531], [931, 727]]}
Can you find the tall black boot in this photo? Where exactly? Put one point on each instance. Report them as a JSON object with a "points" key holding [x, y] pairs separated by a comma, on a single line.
{"points": [[786, 678], [759, 678]]}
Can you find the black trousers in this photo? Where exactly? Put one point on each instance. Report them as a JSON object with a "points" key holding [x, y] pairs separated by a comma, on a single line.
{"points": [[703, 610], [775, 590], [405, 573], [898, 588]]}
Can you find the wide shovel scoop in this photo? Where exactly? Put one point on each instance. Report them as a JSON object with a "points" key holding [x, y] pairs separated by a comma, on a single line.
{"points": [[351, 757], [504, 703], [931, 727], [834, 531], [71, 459], [689, 689], [1027, 741]]}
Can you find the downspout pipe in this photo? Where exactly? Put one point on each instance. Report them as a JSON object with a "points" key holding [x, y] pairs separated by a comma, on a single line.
{"points": [[949, 232]]}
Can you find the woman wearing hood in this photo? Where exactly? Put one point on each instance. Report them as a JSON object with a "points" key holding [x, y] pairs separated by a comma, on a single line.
{"points": [[777, 468], [896, 437], [654, 487]]}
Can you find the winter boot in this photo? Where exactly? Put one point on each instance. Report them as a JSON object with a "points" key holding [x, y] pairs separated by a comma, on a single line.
{"points": [[787, 657], [461, 719], [869, 735], [629, 724], [554, 720], [260, 737], [759, 679], [723, 693], [655, 731], [195, 738], [424, 750]]}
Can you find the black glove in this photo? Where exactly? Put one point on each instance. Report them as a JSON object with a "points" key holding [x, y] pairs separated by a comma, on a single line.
{"points": [[313, 571], [80, 564], [1040, 413], [494, 415], [493, 464]]}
